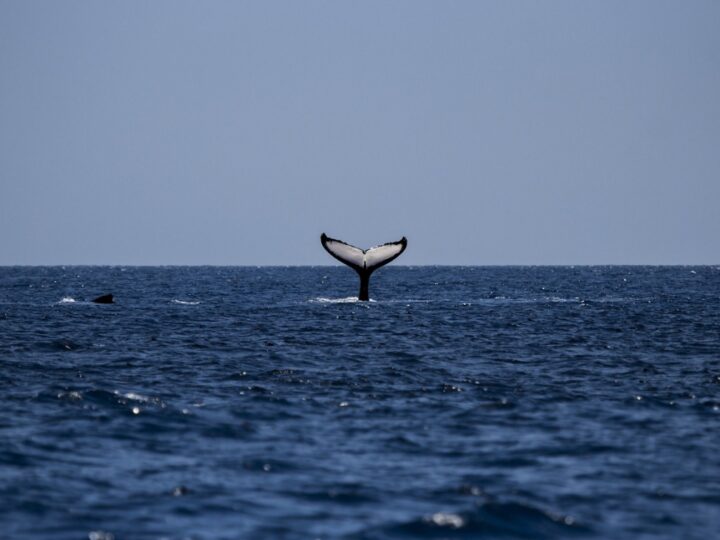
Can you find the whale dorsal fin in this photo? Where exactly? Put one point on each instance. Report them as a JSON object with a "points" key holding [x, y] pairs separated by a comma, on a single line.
{"points": [[363, 260]]}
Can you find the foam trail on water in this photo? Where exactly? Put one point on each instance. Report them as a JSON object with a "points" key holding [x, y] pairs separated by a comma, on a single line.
{"points": [[346, 300]]}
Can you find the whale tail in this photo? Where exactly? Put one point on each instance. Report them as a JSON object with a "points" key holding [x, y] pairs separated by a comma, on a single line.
{"points": [[363, 261]]}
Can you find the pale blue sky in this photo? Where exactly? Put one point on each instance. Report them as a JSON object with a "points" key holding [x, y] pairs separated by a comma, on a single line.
{"points": [[557, 132]]}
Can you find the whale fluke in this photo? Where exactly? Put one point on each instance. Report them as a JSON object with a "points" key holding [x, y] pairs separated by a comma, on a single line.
{"points": [[363, 261], [104, 299]]}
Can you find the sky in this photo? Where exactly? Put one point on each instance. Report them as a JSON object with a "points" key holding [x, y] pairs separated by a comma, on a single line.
{"points": [[486, 132]]}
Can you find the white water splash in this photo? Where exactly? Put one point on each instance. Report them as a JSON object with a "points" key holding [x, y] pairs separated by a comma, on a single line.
{"points": [[133, 396], [185, 302], [347, 300], [442, 519], [67, 300]]}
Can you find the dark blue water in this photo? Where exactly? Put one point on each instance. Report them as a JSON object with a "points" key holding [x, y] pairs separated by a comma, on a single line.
{"points": [[224, 403]]}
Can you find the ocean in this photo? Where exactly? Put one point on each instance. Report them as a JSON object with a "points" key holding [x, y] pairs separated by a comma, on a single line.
{"points": [[267, 403]]}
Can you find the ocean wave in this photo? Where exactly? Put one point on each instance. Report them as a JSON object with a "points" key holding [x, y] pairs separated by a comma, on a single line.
{"points": [[487, 520]]}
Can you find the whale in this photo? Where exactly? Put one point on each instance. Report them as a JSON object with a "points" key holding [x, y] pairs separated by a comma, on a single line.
{"points": [[104, 299], [363, 261]]}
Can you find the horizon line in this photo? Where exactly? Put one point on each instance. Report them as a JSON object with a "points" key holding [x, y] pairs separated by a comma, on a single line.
{"points": [[488, 265]]}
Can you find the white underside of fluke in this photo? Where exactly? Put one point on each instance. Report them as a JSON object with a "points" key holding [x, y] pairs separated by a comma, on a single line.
{"points": [[363, 259]]}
